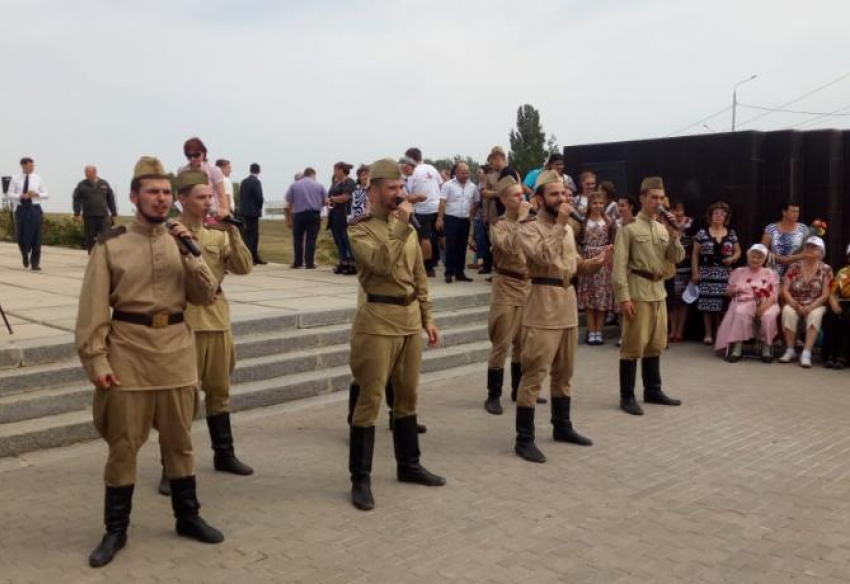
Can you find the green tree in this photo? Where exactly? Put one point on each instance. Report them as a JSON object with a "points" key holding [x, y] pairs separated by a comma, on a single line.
{"points": [[448, 162], [529, 146]]}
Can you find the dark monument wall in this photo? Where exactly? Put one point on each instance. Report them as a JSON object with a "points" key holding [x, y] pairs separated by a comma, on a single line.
{"points": [[754, 172]]}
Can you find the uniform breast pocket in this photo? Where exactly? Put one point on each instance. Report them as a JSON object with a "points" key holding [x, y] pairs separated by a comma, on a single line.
{"points": [[213, 249], [664, 237], [642, 239]]}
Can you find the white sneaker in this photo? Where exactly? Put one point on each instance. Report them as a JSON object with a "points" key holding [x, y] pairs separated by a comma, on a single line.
{"points": [[788, 356], [806, 359]]}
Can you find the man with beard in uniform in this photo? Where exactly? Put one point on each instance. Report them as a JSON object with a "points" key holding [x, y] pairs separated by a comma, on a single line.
{"points": [[386, 337], [645, 254], [142, 358], [224, 252], [550, 319], [509, 294]]}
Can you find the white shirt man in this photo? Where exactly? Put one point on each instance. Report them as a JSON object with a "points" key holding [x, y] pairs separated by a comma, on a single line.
{"points": [[35, 187], [425, 180], [459, 197]]}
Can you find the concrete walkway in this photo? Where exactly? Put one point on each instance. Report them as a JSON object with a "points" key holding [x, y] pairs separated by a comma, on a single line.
{"points": [[42, 306], [747, 482]]}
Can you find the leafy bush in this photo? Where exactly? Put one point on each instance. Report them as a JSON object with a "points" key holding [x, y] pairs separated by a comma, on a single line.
{"points": [[62, 231], [7, 223]]}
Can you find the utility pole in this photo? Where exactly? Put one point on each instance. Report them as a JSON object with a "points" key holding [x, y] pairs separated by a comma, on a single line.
{"points": [[735, 98]]}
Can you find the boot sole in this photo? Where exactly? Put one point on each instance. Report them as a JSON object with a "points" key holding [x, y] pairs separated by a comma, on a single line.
{"points": [[632, 412], [96, 564], [198, 538]]}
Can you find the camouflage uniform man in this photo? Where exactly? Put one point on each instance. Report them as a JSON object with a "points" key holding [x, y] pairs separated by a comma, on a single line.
{"points": [[142, 358], [645, 254], [386, 337]]}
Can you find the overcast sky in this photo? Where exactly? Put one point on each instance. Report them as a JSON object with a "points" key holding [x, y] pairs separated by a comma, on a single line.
{"points": [[291, 84]]}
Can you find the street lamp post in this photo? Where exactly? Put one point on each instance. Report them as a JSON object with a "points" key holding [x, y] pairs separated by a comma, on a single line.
{"points": [[735, 97]]}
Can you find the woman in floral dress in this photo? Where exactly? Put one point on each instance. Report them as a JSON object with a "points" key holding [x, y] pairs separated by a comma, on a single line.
{"points": [[595, 291], [716, 249]]}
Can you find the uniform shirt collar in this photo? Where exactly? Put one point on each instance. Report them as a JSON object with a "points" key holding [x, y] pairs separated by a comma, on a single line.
{"points": [[145, 228]]}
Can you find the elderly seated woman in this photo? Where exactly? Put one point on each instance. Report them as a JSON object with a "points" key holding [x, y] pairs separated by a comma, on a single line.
{"points": [[754, 290], [836, 322], [805, 291]]}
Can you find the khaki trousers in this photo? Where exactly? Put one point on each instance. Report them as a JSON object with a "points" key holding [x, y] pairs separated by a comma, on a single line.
{"points": [[216, 361], [376, 359], [546, 351], [505, 328], [124, 419], [645, 334]]}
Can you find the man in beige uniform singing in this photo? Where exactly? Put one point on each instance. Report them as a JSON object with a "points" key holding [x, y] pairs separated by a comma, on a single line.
{"points": [[224, 251], [550, 320], [142, 358], [645, 254], [509, 294], [386, 336]]}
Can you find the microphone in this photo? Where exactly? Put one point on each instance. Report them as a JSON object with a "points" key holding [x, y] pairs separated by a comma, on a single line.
{"points": [[413, 220], [576, 217], [187, 241], [231, 220], [669, 217]]}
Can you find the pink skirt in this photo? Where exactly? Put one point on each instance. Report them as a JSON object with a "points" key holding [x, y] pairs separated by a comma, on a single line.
{"points": [[737, 324]]}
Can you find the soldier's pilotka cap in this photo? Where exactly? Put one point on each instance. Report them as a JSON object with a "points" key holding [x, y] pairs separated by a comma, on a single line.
{"points": [[504, 184], [149, 167], [191, 177], [651, 182], [547, 177], [496, 150], [384, 168]]}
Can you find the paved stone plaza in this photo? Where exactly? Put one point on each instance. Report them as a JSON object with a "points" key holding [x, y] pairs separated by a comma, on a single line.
{"points": [[749, 481]]}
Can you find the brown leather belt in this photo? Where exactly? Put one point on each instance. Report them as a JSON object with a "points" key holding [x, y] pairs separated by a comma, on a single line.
{"points": [[648, 275], [161, 320], [397, 300], [510, 274], [559, 282]]}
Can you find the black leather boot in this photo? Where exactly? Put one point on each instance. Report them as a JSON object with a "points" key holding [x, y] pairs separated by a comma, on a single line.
{"points": [[650, 369], [389, 393], [628, 373], [525, 446], [562, 427], [516, 377], [406, 444], [495, 380], [360, 450], [164, 487], [118, 502], [353, 394], [221, 436], [184, 501]]}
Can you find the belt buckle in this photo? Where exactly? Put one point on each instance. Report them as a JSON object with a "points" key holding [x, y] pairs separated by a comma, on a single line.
{"points": [[160, 320]]}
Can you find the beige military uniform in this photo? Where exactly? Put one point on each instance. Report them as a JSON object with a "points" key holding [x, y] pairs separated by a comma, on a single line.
{"points": [[509, 295], [386, 339], [550, 319], [140, 270], [644, 256], [224, 251]]}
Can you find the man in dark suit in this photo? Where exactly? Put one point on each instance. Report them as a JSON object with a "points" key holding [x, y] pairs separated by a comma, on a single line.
{"points": [[251, 209]]}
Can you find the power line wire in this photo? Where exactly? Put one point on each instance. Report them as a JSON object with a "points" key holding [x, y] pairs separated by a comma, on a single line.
{"points": [[705, 119], [795, 100], [822, 117], [786, 111]]}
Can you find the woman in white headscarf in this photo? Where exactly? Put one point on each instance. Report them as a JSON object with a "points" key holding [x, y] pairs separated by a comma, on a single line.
{"points": [[754, 291]]}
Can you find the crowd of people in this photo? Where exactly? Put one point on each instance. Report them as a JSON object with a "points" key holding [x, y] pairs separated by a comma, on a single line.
{"points": [[154, 324]]}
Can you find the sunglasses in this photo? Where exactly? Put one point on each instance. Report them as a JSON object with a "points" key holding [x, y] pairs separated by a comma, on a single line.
{"points": [[194, 154]]}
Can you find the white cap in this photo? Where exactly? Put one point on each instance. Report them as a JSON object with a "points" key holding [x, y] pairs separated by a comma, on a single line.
{"points": [[759, 248], [816, 241]]}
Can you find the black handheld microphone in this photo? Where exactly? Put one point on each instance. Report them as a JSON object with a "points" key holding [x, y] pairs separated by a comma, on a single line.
{"points": [[413, 220], [576, 217], [669, 217], [187, 241], [231, 220]]}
